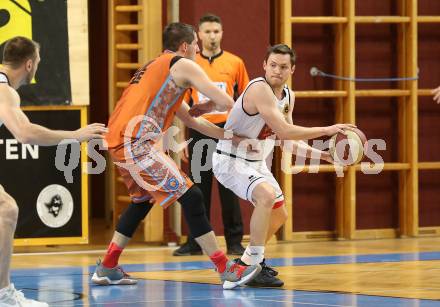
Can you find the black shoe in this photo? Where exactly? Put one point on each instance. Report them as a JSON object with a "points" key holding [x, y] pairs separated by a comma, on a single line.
{"points": [[188, 249], [236, 249], [269, 269], [264, 278]]}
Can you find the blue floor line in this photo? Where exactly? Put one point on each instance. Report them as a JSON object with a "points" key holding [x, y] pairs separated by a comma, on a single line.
{"points": [[70, 286], [71, 292], [278, 262]]}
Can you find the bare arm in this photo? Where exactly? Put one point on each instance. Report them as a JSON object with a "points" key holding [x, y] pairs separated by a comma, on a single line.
{"points": [[26, 132], [301, 148], [202, 125], [187, 73], [261, 97]]}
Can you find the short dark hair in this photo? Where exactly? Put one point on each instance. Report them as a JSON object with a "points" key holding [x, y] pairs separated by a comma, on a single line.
{"points": [[18, 50], [175, 34], [210, 18], [282, 49]]}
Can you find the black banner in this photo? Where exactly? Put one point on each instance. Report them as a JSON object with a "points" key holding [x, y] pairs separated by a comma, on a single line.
{"points": [[49, 206], [46, 23]]}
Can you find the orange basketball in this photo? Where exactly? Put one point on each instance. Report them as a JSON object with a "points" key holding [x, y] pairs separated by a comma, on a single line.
{"points": [[348, 149]]}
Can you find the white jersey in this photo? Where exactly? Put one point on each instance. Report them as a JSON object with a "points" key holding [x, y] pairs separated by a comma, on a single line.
{"points": [[252, 126], [3, 80]]}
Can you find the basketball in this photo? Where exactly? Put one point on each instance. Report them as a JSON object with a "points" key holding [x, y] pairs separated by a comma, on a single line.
{"points": [[348, 149]]}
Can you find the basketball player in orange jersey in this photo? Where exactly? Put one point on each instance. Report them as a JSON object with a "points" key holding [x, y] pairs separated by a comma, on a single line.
{"points": [[146, 108], [228, 72], [20, 62], [264, 112]]}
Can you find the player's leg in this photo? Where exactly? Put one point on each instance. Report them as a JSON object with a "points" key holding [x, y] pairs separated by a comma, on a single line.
{"points": [[108, 272], [232, 220], [279, 211], [262, 226], [9, 296], [158, 175], [191, 199], [231, 274], [8, 222], [277, 219], [242, 178], [253, 181], [193, 209], [263, 197], [190, 247]]}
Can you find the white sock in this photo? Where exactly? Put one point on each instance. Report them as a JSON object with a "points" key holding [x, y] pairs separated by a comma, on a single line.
{"points": [[5, 289], [253, 255]]}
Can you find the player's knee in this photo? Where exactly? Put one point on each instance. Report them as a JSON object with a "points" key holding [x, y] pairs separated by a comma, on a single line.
{"points": [[8, 208], [194, 198], [132, 217], [265, 196], [194, 211]]}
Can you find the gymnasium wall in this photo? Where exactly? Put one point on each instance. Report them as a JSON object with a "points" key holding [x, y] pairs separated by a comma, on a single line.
{"points": [[313, 201], [376, 56], [429, 115], [246, 26]]}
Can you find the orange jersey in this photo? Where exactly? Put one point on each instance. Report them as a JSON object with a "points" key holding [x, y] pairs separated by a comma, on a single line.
{"points": [[147, 106], [228, 72]]}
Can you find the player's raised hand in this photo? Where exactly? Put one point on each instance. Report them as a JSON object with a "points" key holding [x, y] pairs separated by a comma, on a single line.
{"points": [[92, 131]]}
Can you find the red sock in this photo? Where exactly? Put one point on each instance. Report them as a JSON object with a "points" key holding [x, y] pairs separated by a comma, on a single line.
{"points": [[219, 259], [112, 256]]}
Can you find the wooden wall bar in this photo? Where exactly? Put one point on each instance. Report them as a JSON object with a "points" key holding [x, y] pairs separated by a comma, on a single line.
{"points": [[366, 39], [79, 51]]}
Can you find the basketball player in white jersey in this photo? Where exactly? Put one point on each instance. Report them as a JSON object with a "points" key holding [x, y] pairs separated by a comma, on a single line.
{"points": [[264, 112], [20, 62]]}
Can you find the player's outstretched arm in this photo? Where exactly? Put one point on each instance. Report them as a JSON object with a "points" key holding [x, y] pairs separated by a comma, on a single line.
{"points": [[264, 101], [187, 73], [203, 126], [26, 132], [301, 148]]}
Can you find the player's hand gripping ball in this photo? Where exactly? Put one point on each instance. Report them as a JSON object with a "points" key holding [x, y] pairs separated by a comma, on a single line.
{"points": [[349, 148]]}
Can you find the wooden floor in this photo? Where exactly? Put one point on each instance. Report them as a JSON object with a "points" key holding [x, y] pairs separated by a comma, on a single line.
{"points": [[399, 272]]}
